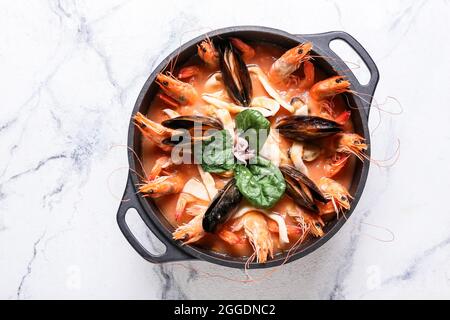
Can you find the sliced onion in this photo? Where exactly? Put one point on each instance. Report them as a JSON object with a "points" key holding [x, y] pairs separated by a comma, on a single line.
{"points": [[302, 111], [196, 188], [268, 107], [216, 101], [296, 155], [214, 82], [271, 148], [225, 116], [171, 113], [208, 182], [269, 89]]}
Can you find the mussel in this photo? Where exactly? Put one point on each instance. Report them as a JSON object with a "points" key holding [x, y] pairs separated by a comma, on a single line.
{"points": [[235, 75], [307, 128], [221, 206], [302, 189], [188, 122]]}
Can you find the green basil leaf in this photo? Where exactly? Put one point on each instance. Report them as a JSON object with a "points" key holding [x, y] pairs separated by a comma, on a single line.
{"points": [[260, 182], [252, 125], [217, 153]]}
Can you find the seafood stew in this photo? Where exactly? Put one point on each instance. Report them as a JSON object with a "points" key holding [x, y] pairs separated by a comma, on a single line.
{"points": [[307, 120]]}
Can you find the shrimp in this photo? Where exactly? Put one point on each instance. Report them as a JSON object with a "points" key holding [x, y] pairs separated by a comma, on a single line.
{"points": [[335, 164], [336, 193], [161, 163], [292, 231], [343, 117], [183, 200], [182, 92], [290, 61], [328, 88], [257, 231], [168, 100], [314, 224], [208, 53], [153, 131], [190, 232], [326, 111], [247, 51], [308, 223], [352, 143], [307, 82], [193, 192], [321, 95], [188, 72], [230, 237], [347, 144], [162, 186]]}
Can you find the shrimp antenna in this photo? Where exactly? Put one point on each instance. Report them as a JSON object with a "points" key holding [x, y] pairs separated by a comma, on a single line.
{"points": [[136, 157], [376, 104], [355, 65]]}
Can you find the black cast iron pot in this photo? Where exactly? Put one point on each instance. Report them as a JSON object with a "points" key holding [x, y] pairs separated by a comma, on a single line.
{"points": [[330, 64]]}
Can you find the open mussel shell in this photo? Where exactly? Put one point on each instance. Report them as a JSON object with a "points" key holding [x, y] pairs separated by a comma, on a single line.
{"points": [[189, 122], [178, 140], [306, 128], [300, 195], [300, 177], [235, 75], [302, 189], [221, 206]]}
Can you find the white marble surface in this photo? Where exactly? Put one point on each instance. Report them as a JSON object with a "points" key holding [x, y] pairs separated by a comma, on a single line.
{"points": [[70, 72]]}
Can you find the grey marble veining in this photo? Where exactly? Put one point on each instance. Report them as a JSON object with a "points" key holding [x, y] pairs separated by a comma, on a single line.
{"points": [[70, 74]]}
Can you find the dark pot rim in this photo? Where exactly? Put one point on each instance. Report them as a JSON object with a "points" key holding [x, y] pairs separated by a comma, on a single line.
{"points": [[175, 251]]}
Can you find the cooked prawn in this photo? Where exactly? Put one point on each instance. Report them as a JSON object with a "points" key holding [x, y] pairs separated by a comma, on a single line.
{"points": [[308, 223], [161, 163], [315, 224], [292, 230], [336, 193], [193, 192], [352, 143], [247, 51], [208, 53], [308, 81], [168, 100], [162, 186], [230, 237], [257, 231], [335, 164], [182, 92], [153, 131], [328, 88], [188, 72], [290, 61], [190, 232]]}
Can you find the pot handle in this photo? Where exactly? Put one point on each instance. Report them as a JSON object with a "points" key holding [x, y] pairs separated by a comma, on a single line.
{"points": [[130, 200], [322, 40]]}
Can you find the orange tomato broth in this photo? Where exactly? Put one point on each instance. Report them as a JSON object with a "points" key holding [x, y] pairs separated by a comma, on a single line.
{"points": [[266, 54]]}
